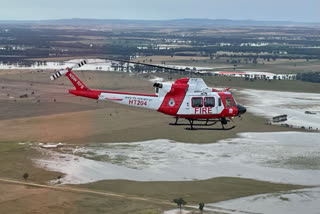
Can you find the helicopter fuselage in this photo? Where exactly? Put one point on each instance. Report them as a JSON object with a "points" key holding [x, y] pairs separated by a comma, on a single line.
{"points": [[185, 98]]}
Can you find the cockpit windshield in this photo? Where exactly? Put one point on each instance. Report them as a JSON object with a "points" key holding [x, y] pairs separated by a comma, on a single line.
{"points": [[235, 100], [229, 102]]}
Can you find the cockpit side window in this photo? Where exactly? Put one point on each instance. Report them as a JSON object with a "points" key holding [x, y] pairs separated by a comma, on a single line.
{"points": [[229, 102], [197, 102], [209, 102]]}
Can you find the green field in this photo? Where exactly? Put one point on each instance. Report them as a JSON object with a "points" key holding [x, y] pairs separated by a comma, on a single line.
{"points": [[194, 192]]}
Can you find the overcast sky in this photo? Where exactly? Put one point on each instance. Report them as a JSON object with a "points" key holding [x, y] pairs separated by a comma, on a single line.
{"points": [[269, 10]]}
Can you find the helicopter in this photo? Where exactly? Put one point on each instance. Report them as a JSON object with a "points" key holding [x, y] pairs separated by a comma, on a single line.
{"points": [[186, 98]]}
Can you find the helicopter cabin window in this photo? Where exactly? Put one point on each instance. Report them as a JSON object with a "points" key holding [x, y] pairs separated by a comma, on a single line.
{"points": [[229, 102], [209, 102], [197, 102]]}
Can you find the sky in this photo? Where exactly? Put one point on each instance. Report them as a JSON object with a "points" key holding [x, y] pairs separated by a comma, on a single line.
{"points": [[266, 10]]}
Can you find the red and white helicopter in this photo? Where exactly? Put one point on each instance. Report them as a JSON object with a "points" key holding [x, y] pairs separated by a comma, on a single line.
{"points": [[188, 98]]}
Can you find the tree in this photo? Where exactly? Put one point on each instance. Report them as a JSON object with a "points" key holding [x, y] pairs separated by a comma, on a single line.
{"points": [[201, 206], [25, 176], [180, 202]]}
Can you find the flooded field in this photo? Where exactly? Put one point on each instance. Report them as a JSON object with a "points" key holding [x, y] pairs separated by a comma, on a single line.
{"points": [[295, 105], [95, 64], [92, 65], [283, 157], [294, 202]]}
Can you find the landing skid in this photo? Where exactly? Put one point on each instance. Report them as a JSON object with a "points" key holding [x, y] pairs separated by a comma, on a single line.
{"points": [[211, 129], [208, 122], [187, 124]]}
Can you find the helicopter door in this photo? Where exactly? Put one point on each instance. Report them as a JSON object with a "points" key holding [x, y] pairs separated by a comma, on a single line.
{"points": [[203, 105], [210, 104]]}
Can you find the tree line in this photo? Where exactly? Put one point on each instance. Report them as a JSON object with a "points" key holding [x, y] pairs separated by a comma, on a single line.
{"points": [[309, 77]]}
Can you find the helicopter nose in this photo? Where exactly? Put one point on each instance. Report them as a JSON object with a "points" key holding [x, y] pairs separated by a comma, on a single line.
{"points": [[241, 109]]}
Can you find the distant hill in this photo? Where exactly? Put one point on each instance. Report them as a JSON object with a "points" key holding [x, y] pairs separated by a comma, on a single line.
{"points": [[159, 23]]}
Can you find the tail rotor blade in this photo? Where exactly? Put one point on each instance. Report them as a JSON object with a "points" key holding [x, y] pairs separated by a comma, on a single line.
{"points": [[64, 71], [80, 64], [58, 74]]}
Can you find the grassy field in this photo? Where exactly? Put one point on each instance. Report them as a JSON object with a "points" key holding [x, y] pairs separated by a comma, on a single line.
{"points": [[275, 85], [241, 83], [109, 125], [49, 114], [280, 66], [98, 122], [30, 200], [15, 159], [194, 192], [77, 120]]}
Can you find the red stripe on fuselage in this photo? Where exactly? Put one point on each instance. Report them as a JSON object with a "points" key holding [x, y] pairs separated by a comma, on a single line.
{"points": [[174, 99], [86, 93]]}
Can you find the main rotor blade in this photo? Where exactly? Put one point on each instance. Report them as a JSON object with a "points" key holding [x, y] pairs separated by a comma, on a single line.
{"points": [[151, 65]]}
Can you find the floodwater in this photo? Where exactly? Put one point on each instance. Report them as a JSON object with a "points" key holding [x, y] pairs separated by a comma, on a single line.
{"points": [[293, 202], [273, 103], [94, 64], [283, 157]]}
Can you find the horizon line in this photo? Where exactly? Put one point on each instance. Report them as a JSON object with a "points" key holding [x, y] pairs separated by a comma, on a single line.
{"points": [[119, 19]]}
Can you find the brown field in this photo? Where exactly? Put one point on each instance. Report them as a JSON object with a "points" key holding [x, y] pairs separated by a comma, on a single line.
{"points": [[159, 59], [279, 66], [61, 59], [26, 118], [48, 114], [70, 119], [33, 200]]}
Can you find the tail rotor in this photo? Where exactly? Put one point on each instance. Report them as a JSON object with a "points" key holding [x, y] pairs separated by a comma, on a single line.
{"points": [[66, 70]]}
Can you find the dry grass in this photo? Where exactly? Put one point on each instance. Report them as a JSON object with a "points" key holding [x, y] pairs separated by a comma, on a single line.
{"points": [[159, 59], [28, 200], [74, 120], [83, 120], [194, 192]]}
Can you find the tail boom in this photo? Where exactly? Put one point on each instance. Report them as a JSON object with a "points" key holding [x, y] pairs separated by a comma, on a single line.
{"points": [[150, 101], [93, 94], [78, 84]]}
